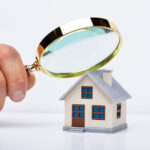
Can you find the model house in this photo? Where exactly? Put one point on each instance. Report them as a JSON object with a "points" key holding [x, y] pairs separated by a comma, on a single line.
{"points": [[95, 103]]}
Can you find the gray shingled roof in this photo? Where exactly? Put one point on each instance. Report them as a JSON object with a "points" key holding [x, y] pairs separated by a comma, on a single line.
{"points": [[115, 93]]}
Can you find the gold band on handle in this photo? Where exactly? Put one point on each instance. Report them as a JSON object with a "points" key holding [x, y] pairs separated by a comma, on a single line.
{"points": [[34, 67]]}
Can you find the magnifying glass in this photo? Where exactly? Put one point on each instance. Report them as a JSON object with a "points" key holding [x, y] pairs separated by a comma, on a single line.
{"points": [[79, 46]]}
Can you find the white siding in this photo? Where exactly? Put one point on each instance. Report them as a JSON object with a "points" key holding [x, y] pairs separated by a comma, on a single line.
{"points": [[99, 98], [122, 119]]}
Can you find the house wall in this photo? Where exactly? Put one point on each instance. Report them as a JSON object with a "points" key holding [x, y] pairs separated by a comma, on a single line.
{"points": [[122, 119], [99, 98]]}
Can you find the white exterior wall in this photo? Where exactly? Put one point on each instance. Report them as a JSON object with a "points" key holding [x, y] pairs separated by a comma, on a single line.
{"points": [[99, 98], [122, 119]]}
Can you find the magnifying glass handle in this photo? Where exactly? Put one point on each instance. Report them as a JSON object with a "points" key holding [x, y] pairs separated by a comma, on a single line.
{"points": [[31, 68], [28, 70]]}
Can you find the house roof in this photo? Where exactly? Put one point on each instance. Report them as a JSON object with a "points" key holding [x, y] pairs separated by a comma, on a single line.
{"points": [[115, 92]]}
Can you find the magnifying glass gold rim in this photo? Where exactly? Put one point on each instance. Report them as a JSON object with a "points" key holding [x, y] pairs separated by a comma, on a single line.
{"points": [[70, 28]]}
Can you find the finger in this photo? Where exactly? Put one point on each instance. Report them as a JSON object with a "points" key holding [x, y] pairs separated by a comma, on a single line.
{"points": [[14, 72], [2, 90], [31, 81]]}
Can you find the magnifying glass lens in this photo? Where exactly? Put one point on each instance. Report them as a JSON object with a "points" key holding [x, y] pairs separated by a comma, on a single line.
{"points": [[76, 47], [79, 50]]}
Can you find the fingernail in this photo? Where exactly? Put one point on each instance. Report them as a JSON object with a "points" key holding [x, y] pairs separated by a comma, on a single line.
{"points": [[18, 95]]}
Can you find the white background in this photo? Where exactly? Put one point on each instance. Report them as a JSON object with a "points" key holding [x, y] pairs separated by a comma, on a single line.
{"points": [[23, 24], [43, 131]]}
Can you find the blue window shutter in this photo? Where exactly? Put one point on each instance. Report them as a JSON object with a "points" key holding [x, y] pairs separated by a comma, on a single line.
{"points": [[75, 108], [95, 109], [84, 95], [83, 89], [81, 108], [101, 109], [89, 95], [101, 116], [75, 114], [95, 116], [81, 115], [89, 90]]}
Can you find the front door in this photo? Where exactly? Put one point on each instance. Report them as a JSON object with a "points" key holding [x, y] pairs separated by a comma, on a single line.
{"points": [[78, 115]]}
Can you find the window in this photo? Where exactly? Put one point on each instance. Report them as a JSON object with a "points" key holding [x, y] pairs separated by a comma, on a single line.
{"points": [[86, 92], [98, 112], [118, 111], [78, 111]]}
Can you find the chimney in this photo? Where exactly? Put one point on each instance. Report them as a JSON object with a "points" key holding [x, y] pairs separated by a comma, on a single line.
{"points": [[107, 77]]}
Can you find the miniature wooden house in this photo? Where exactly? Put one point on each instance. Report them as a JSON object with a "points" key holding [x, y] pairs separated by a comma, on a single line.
{"points": [[95, 103]]}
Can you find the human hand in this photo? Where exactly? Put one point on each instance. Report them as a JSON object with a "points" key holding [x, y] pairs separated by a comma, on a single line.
{"points": [[14, 81]]}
